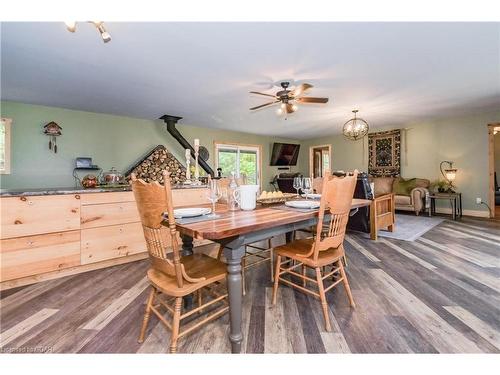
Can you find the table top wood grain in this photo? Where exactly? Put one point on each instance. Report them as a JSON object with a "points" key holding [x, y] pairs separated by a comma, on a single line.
{"points": [[235, 223]]}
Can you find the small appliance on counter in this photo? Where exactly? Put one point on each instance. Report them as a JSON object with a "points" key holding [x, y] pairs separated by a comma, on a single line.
{"points": [[112, 178], [89, 181], [84, 164]]}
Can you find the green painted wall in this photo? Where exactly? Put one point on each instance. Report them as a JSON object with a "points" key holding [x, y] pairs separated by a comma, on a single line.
{"points": [[111, 141], [463, 140], [119, 141]]}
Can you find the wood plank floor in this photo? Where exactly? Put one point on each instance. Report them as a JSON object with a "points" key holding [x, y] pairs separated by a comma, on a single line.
{"points": [[440, 293]]}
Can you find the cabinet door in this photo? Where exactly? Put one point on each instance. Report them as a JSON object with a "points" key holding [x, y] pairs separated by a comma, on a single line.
{"points": [[111, 242], [25, 216], [100, 215], [33, 255]]}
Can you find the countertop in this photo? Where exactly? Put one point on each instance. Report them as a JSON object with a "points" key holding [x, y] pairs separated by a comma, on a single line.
{"points": [[73, 190]]}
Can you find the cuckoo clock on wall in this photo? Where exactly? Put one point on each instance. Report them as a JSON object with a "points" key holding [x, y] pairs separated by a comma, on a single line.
{"points": [[52, 130]]}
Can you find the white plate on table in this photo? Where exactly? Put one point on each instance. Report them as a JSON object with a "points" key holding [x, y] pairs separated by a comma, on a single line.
{"points": [[180, 213], [302, 204], [312, 196]]}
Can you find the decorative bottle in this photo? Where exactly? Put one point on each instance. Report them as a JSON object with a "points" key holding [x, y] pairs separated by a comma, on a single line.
{"points": [[231, 192]]}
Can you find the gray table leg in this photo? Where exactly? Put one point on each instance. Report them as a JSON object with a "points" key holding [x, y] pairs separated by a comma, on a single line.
{"points": [[233, 253], [187, 245], [187, 249]]}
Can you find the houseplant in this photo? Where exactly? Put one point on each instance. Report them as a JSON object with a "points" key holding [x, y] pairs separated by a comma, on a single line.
{"points": [[440, 185]]}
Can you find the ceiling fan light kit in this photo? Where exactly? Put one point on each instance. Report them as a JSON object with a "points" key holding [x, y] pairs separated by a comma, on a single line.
{"points": [[356, 128], [71, 27], [289, 98]]}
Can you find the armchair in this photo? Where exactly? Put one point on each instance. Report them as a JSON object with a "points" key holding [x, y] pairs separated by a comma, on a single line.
{"points": [[416, 201]]}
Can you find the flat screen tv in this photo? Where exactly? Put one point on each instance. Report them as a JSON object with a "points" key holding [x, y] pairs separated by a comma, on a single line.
{"points": [[284, 154]]}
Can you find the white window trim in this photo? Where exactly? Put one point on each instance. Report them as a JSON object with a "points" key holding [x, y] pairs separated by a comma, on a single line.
{"points": [[8, 135], [240, 146]]}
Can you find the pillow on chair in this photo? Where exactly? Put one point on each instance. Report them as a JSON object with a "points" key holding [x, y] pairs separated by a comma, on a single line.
{"points": [[404, 187]]}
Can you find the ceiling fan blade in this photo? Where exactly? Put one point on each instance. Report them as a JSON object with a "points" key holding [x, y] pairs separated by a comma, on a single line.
{"points": [[261, 93], [299, 90], [264, 105], [308, 99]]}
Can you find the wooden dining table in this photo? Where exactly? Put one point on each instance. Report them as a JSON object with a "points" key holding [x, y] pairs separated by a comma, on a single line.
{"points": [[234, 230]]}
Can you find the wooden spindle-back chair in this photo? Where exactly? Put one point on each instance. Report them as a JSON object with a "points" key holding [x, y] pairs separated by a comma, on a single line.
{"points": [[317, 183], [324, 252], [171, 276]]}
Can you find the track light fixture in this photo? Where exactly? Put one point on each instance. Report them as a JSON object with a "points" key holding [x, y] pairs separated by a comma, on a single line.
{"points": [[71, 27]]}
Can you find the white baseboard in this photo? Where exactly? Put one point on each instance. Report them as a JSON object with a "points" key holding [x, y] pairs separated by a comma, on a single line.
{"points": [[476, 213]]}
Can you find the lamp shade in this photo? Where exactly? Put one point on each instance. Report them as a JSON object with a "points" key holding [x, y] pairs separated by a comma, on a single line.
{"points": [[450, 174]]}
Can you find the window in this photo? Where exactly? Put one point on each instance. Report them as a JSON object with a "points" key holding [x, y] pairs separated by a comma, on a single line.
{"points": [[5, 145], [241, 159]]}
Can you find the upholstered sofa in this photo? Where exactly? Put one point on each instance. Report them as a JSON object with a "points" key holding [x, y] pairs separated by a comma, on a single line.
{"points": [[413, 200]]}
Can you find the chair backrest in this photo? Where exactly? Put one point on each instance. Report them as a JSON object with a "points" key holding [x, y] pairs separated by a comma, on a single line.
{"points": [[336, 197], [153, 200], [318, 184]]}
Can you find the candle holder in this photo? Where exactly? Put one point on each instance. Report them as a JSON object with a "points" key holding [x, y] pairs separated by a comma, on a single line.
{"points": [[188, 171], [196, 170]]}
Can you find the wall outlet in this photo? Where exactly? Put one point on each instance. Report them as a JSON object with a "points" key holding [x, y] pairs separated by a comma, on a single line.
{"points": [[479, 201]]}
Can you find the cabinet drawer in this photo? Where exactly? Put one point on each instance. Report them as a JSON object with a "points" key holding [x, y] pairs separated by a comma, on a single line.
{"points": [[25, 216], [100, 215], [99, 198], [111, 242], [33, 255]]}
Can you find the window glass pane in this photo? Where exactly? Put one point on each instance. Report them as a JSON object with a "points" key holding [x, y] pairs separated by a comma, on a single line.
{"points": [[227, 160], [2, 145], [248, 165], [326, 161]]}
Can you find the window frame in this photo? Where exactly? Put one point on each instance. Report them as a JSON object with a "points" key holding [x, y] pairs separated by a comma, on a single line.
{"points": [[240, 146], [8, 136]]}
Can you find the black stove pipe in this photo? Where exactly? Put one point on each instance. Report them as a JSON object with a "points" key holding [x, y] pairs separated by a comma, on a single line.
{"points": [[171, 121]]}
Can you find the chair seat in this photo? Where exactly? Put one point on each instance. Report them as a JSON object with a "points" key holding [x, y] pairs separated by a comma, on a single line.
{"points": [[299, 248], [196, 266]]}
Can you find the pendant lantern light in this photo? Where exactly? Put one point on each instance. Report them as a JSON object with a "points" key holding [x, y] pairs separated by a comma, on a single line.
{"points": [[356, 128]]}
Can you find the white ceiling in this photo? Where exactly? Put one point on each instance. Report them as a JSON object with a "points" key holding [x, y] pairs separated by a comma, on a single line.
{"points": [[393, 73]]}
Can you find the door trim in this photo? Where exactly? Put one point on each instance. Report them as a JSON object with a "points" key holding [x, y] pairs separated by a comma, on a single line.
{"points": [[491, 166], [311, 157]]}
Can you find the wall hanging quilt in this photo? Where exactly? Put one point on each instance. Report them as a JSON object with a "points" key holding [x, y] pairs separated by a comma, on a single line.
{"points": [[384, 153]]}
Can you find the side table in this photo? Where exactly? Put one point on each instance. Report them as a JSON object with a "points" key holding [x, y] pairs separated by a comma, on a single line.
{"points": [[455, 201]]}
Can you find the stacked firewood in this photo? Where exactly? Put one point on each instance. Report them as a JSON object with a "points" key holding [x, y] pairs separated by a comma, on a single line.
{"points": [[152, 167]]}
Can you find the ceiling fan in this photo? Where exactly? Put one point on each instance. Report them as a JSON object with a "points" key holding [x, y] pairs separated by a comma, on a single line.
{"points": [[289, 98]]}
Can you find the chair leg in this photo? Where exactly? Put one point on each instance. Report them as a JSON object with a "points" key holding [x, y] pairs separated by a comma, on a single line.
{"points": [[322, 297], [220, 252], [243, 284], [346, 284], [175, 325], [304, 281], [199, 298], [147, 314], [271, 257], [276, 278]]}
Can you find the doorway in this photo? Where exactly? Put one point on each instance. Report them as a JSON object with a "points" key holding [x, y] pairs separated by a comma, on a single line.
{"points": [[319, 160], [494, 166]]}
